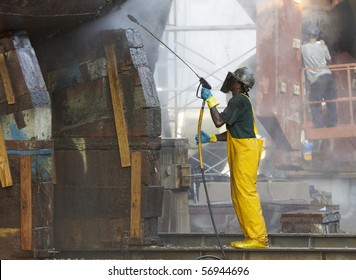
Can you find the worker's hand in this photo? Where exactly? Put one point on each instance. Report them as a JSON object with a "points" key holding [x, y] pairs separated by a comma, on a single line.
{"points": [[205, 137], [205, 93], [209, 98]]}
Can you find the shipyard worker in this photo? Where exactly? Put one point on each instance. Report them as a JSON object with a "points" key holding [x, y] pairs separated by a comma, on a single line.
{"points": [[322, 85], [243, 150]]}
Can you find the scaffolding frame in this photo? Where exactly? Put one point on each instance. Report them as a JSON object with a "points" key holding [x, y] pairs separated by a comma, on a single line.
{"points": [[345, 130]]}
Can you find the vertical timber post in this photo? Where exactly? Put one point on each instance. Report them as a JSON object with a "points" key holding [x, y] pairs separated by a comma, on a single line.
{"points": [[26, 202], [135, 213], [9, 92], [5, 173], [118, 108]]}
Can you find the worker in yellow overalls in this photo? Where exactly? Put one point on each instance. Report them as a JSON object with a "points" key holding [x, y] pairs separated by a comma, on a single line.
{"points": [[244, 151]]}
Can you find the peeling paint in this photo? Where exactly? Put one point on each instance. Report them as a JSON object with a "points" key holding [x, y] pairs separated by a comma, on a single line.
{"points": [[11, 130], [138, 57], [43, 123], [134, 38], [37, 124], [32, 73], [149, 87]]}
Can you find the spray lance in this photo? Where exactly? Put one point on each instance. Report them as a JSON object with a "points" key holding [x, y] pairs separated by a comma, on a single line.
{"points": [[205, 84], [202, 81]]}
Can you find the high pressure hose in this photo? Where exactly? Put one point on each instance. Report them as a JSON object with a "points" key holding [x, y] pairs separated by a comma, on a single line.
{"points": [[200, 152]]}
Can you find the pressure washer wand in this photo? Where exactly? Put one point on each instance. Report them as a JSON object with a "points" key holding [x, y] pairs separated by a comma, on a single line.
{"points": [[203, 82]]}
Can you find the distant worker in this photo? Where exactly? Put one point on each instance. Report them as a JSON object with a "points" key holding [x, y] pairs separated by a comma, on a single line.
{"points": [[322, 84], [243, 151]]}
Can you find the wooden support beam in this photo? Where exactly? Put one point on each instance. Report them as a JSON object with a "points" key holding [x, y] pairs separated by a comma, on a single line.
{"points": [[135, 213], [118, 106], [10, 96], [5, 173], [340, 131], [26, 202]]}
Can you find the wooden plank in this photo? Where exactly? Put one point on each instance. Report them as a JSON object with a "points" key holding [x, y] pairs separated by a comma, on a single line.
{"points": [[117, 103], [10, 96], [340, 131], [135, 213], [5, 173], [26, 202]]}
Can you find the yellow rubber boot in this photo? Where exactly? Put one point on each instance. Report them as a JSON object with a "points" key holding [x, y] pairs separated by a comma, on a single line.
{"points": [[236, 243], [251, 244]]}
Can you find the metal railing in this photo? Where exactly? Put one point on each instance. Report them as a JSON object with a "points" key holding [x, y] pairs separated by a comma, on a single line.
{"points": [[345, 78]]}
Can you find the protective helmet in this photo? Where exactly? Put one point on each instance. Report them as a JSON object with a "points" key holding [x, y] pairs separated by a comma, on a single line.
{"points": [[244, 75], [313, 30]]}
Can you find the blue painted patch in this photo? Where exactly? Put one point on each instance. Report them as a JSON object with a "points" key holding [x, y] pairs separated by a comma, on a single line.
{"points": [[30, 152], [17, 134]]}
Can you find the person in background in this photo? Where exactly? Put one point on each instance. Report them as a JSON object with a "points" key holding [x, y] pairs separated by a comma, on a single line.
{"points": [[244, 151], [322, 84]]}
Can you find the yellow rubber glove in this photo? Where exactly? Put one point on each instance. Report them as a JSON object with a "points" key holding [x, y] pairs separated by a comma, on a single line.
{"points": [[212, 102]]}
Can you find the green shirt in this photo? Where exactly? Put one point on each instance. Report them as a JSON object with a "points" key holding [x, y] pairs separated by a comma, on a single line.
{"points": [[238, 117]]}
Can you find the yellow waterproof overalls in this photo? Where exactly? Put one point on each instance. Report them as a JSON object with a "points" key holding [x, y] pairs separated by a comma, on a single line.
{"points": [[244, 157]]}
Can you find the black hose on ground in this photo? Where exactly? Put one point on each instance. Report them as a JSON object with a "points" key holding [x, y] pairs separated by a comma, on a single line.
{"points": [[203, 173], [208, 257], [211, 214]]}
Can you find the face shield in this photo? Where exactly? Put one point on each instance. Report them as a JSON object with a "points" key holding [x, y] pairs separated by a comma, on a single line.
{"points": [[230, 80]]}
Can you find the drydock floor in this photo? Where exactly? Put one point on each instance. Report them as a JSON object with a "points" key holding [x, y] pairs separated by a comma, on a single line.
{"points": [[195, 246]]}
